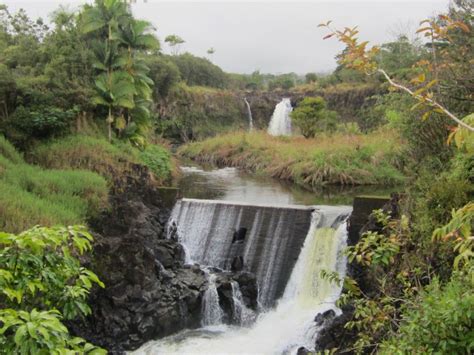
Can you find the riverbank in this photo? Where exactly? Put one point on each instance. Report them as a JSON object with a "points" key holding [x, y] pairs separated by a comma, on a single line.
{"points": [[339, 159]]}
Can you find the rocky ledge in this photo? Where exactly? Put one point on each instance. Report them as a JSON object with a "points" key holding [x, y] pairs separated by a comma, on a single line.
{"points": [[149, 291]]}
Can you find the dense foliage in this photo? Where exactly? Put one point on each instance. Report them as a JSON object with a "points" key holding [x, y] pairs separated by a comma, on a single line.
{"points": [[43, 282], [415, 291]]}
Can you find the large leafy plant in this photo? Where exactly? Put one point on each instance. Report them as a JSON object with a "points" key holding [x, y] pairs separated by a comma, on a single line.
{"points": [[41, 282]]}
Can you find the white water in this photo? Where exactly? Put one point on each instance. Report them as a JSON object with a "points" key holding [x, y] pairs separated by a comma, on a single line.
{"points": [[290, 324], [243, 315], [211, 310], [280, 123], [249, 114]]}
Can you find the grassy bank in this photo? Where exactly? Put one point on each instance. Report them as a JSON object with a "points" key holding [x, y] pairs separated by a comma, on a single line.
{"points": [[102, 157], [30, 195], [338, 159]]}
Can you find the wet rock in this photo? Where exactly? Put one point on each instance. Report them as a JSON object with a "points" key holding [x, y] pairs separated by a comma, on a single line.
{"points": [[303, 351], [249, 288], [334, 334], [237, 263], [239, 235], [247, 284], [226, 300], [324, 317]]}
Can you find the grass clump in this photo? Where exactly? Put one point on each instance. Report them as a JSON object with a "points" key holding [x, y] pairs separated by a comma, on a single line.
{"points": [[100, 156], [30, 195], [337, 159]]}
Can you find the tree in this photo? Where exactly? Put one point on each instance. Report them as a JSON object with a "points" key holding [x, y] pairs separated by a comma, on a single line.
{"points": [[211, 52], [311, 78], [104, 19], [175, 42], [199, 71], [311, 117], [122, 84]]}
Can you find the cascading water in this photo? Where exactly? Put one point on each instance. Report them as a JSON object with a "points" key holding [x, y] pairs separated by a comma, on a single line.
{"points": [[290, 324], [212, 313], [272, 237], [280, 123], [242, 314], [249, 114]]}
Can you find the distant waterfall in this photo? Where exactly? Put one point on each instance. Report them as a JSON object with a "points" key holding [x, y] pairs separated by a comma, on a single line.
{"points": [[291, 323], [280, 123], [249, 114]]}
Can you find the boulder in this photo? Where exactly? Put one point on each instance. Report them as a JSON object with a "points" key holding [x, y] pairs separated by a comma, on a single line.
{"points": [[322, 318]]}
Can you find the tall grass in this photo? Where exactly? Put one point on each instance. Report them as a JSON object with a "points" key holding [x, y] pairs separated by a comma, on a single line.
{"points": [[30, 195], [85, 152], [100, 156], [338, 159]]}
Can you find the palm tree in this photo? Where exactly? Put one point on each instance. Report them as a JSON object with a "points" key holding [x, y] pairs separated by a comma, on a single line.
{"points": [[105, 19], [137, 37], [115, 91], [122, 83]]}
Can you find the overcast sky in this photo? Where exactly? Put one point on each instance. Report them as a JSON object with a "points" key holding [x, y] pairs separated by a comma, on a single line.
{"points": [[270, 36]]}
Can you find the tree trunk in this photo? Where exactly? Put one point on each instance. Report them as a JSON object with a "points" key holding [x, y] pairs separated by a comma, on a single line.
{"points": [[109, 123]]}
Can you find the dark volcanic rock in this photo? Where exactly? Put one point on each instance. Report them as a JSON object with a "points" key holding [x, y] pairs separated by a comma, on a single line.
{"points": [[249, 288], [149, 292], [247, 283], [324, 317], [303, 351], [333, 334]]}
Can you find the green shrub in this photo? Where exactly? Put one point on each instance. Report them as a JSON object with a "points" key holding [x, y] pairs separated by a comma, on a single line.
{"points": [[158, 160], [435, 196], [41, 282], [441, 323]]}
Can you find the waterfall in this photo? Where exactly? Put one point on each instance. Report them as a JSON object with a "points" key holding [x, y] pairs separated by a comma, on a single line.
{"points": [[270, 238], [211, 310], [280, 123], [242, 314], [249, 114], [291, 323]]}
